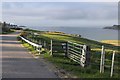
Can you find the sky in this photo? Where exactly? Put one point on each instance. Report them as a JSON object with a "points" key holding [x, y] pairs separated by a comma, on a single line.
{"points": [[57, 14]]}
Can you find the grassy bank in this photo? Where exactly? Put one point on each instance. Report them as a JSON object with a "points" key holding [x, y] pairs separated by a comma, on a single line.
{"points": [[92, 71], [113, 42]]}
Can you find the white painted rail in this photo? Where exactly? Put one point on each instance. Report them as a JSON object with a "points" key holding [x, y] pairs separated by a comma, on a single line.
{"points": [[31, 43], [37, 47]]}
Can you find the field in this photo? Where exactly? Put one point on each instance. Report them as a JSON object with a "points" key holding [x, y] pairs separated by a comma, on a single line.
{"points": [[113, 42], [92, 71]]}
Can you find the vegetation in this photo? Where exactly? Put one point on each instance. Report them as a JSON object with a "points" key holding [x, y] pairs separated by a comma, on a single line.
{"points": [[92, 71], [115, 27], [113, 42], [4, 28]]}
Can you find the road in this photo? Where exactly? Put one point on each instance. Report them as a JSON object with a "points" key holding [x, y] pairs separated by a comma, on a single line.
{"points": [[17, 62]]}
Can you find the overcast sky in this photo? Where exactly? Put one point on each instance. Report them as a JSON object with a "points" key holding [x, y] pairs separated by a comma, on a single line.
{"points": [[80, 14]]}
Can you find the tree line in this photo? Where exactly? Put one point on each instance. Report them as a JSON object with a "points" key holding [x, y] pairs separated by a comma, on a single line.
{"points": [[6, 27]]}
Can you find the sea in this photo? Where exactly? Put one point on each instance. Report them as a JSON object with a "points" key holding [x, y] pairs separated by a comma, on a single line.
{"points": [[92, 33]]}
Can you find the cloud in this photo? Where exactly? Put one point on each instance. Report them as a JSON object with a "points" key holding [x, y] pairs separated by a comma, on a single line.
{"points": [[65, 14], [60, 12]]}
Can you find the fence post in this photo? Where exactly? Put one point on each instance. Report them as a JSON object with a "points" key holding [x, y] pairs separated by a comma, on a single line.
{"points": [[44, 44], [68, 49], [66, 53], [112, 66], [51, 47], [85, 56], [39, 48], [102, 60], [87, 50], [39, 42]]}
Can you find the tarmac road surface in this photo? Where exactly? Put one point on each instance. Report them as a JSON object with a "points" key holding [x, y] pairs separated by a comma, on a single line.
{"points": [[18, 63]]}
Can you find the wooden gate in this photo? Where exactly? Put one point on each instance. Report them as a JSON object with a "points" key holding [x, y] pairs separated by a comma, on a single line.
{"points": [[59, 47], [79, 53]]}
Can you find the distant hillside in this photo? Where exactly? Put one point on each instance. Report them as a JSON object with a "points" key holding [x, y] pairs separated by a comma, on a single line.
{"points": [[115, 27]]}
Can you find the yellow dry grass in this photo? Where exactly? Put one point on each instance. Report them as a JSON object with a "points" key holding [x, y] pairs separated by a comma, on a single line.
{"points": [[113, 42], [107, 50]]}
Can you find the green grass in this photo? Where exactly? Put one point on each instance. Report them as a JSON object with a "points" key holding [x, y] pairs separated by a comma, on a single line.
{"points": [[30, 48], [92, 71], [93, 44]]}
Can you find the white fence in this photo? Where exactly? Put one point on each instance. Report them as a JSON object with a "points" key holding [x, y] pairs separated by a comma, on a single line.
{"points": [[37, 47], [79, 53], [102, 62]]}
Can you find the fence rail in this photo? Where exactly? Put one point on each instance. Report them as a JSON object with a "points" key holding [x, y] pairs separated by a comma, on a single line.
{"points": [[79, 53], [38, 47], [76, 52]]}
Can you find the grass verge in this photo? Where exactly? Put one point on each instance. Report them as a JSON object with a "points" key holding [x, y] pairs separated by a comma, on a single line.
{"points": [[92, 71]]}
